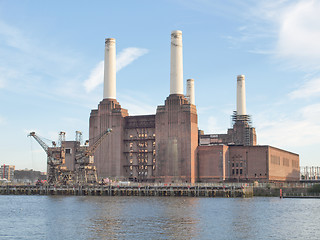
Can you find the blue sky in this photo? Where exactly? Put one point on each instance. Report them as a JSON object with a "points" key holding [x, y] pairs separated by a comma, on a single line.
{"points": [[51, 70]]}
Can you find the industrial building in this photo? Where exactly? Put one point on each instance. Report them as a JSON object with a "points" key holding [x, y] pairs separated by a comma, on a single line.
{"points": [[168, 147], [27, 176]]}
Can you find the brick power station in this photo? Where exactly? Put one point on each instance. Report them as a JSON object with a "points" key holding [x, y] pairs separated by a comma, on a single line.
{"points": [[168, 147]]}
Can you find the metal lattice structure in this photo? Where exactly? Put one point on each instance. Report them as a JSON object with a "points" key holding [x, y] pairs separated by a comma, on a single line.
{"points": [[310, 173], [246, 124], [57, 174], [85, 170]]}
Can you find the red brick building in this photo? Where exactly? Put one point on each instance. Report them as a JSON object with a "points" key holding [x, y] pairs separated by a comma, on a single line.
{"points": [[166, 147]]}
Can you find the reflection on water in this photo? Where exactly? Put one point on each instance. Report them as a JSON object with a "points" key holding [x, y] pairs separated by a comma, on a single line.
{"points": [[45, 217], [144, 218]]}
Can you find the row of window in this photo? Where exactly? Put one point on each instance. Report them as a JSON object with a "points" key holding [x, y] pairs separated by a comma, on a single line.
{"points": [[237, 171], [237, 164], [285, 161], [142, 144], [275, 160], [142, 135], [142, 167]]}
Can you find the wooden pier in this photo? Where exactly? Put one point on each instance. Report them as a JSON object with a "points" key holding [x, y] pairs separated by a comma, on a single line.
{"points": [[131, 190]]}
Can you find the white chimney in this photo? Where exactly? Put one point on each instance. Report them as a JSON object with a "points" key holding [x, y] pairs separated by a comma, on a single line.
{"points": [[176, 68], [109, 90], [241, 95], [190, 91]]}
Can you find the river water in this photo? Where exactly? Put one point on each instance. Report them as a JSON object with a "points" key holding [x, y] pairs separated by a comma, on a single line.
{"points": [[82, 217]]}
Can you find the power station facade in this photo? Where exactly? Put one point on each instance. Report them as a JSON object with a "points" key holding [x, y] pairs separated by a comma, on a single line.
{"points": [[168, 146]]}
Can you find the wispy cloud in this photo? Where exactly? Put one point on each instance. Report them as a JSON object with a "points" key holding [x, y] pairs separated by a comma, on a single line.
{"points": [[213, 126], [299, 34], [287, 30], [300, 128], [13, 37], [128, 55], [2, 120], [95, 78], [30, 66], [124, 58], [309, 89], [137, 102]]}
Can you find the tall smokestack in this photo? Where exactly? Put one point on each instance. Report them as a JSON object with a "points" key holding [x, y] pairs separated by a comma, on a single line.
{"points": [[241, 95], [176, 68], [190, 91], [109, 90]]}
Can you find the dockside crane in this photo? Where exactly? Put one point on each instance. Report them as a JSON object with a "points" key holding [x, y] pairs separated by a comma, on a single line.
{"points": [[85, 170], [55, 159]]}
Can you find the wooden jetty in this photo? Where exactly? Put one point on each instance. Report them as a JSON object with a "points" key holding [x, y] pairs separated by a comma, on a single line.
{"points": [[199, 190]]}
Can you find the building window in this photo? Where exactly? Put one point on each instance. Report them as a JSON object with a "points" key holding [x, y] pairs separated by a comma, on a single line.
{"points": [[240, 171], [232, 171], [237, 171], [68, 150]]}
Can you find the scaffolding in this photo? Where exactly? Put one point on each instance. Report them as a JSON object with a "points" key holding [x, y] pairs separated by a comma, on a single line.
{"points": [[245, 122]]}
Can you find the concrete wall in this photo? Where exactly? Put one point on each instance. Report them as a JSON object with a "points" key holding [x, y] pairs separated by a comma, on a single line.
{"points": [[70, 150], [109, 158], [176, 140], [247, 163], [283, 165], [251, 159], [212, 163]]}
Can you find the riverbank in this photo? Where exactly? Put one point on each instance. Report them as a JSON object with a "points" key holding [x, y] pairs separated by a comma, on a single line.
{"points": [[241, 190], [199, 190]]}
